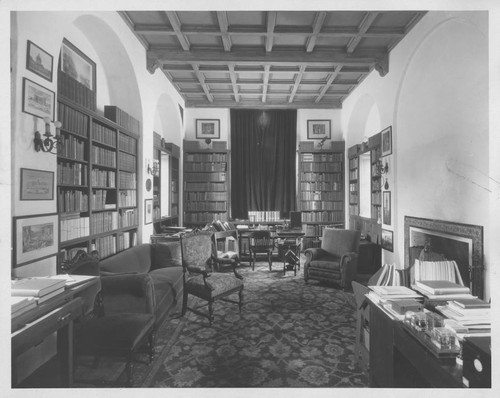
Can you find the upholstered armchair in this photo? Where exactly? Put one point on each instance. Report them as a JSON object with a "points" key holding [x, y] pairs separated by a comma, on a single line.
{"points": [[199, 279], [337, 259]]}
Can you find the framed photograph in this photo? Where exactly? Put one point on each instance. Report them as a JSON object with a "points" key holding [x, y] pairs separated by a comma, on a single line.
{"points": [[318, 129], [77, 65], [387, 240], [387, 141], [39, 61], [386, 212], [37, 184], [148, 211], [207, 128], [35, 237], [38, 100]]}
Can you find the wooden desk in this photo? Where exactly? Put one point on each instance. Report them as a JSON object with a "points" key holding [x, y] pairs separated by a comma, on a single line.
{"points": [[55, 315], [397, 359]]}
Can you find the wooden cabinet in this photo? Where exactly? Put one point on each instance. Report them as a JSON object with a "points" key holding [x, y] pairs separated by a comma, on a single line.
{"points": [[206, 183]]}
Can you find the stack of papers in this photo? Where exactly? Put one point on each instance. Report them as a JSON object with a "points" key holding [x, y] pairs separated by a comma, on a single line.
{"points": [[472, 314]]}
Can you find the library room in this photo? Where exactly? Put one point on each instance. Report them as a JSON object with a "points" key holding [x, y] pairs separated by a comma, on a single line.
{"points": [[265, 196]]}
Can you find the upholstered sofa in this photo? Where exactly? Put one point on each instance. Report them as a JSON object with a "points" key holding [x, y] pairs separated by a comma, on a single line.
{"points": [[157, 264]]}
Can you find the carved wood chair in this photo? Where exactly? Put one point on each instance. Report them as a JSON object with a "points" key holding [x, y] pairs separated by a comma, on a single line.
{"points": [[261, 242]]}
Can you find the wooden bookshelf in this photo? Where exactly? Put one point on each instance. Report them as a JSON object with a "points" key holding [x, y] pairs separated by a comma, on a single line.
{"points": [[375, 145], [206, 183], [321, 187], [352, 154], [96, 181]]}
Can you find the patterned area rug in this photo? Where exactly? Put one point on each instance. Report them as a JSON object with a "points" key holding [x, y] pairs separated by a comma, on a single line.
{"points": [[290, 334]]}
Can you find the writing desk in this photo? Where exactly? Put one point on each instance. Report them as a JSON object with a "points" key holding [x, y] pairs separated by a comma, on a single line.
{"points": [[54, 315]]}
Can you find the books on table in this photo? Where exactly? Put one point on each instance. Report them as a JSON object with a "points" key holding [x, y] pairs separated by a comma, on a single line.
{"points": [[35, 287], [437, 287], [20, 304]]}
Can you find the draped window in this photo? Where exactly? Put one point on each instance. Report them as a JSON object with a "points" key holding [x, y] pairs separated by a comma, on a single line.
{"points": [[263, 145]]}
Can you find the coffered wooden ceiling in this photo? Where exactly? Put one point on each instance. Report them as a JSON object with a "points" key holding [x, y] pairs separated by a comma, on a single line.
{"points": [[268, 59]]}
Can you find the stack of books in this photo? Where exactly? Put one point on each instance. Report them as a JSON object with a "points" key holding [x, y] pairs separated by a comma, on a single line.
{"points": [[21, 304], [394, 298], [471, 315], [40, 288], [442, 290]]}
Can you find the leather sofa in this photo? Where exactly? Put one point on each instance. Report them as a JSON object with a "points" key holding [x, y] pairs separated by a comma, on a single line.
{"points": [[158, 265]]}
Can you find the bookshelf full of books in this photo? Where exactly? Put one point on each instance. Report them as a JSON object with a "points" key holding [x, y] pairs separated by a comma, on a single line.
{"points": [[206, 183], [96, 182], [321, 188], [352, 153], [376, 178]]}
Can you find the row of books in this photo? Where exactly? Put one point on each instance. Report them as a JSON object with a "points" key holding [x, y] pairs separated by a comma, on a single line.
{"points": [[127, 240], [122, 118], [323, 216], [205, 157], [76, 91], [313, 229], [72, 148], [101, 200], [69, 201], [322, 157], [262, 216], [206, 167], [321, 167], [217, 177], [376, 185], [103, 178], [315, 177], [72, 120], [129, 218], [127, 198], [353, 174], [353, 197], [206, 206], [205, 196], [103, 134], [126, 143], [205, 186], [353, 208], [321, 195], [202, 218], [321, 186], [322, 205], [103, 156], [353, 187], [74, 227], [127, 162], [71, 173], [106, 246], [104, 222], [127, 180]]}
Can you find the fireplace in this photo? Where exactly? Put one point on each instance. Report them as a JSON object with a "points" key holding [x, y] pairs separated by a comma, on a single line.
{"points": [[462, 243]]}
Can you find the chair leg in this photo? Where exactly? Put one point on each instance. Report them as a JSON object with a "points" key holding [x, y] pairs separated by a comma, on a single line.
{"points": [[270, 259], [211, 312], [151, 343], [129, 369], [240, 303], [184, 302], [252, 261]]}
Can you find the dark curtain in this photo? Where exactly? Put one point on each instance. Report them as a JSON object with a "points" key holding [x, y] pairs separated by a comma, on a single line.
{"points": [[263, 145]]}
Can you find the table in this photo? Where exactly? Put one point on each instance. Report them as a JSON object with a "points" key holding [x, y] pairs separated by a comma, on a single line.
{"points": [[289, 244], [54, 315]]}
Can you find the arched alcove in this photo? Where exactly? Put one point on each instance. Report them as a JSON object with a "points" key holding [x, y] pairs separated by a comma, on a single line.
{"points": [[168, 120], [364, 120]]}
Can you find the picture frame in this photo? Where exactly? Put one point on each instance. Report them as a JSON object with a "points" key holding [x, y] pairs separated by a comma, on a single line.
{"points": [[319, 129], [38, 100], [386, 207], [387, 240], [77, 65], [35, 237], [387, 141], [148, 211], [37, 185], [39, 61], [207, 128]]}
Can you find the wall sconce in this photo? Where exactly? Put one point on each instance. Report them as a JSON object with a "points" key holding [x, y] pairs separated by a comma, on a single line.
{"points": [[163, 143], [321, 143], [208, 141], [49, 143], [154, 170]]}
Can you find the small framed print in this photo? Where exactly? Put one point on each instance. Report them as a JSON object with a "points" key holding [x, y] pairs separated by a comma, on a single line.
{"points": [[387, 141], [38, 100], [207, 128], [387, 240], [148, 211], [386, 213], [35, 237], [37, 184], [319, 129], [39, 61], [77, 65]]}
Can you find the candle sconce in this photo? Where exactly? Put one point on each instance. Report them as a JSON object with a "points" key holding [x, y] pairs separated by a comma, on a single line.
{"points": [[50, 143]]}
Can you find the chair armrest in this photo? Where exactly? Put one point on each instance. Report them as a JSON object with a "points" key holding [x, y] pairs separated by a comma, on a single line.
{"points": [[348, 268], [314, 253], [123, 288]]}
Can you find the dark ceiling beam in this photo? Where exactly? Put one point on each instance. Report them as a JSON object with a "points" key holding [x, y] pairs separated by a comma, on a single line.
{"points": [[265, 82], [176, 25], [204, 86], [296, 85], [234, 83], [223, 25], [363, 27], [271, 23], [317, 25], [329, 82]]}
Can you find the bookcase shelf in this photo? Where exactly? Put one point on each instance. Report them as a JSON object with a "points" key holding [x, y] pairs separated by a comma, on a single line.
{"points": [[96, 182], [206, 183], [321, 186]]}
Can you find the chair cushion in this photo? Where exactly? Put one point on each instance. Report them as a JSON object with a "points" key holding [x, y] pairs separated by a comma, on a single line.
{"points": [[221, 283], [166, 254]]}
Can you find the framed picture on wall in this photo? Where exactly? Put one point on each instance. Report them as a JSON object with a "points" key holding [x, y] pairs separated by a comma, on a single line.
{"points": [[38, 100], [319, 129], [35, 237], [39, 61], [148, 211], [37, 184], [77, 65], [387, 240], [207, 128], [387, 141], [386, 212]]}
